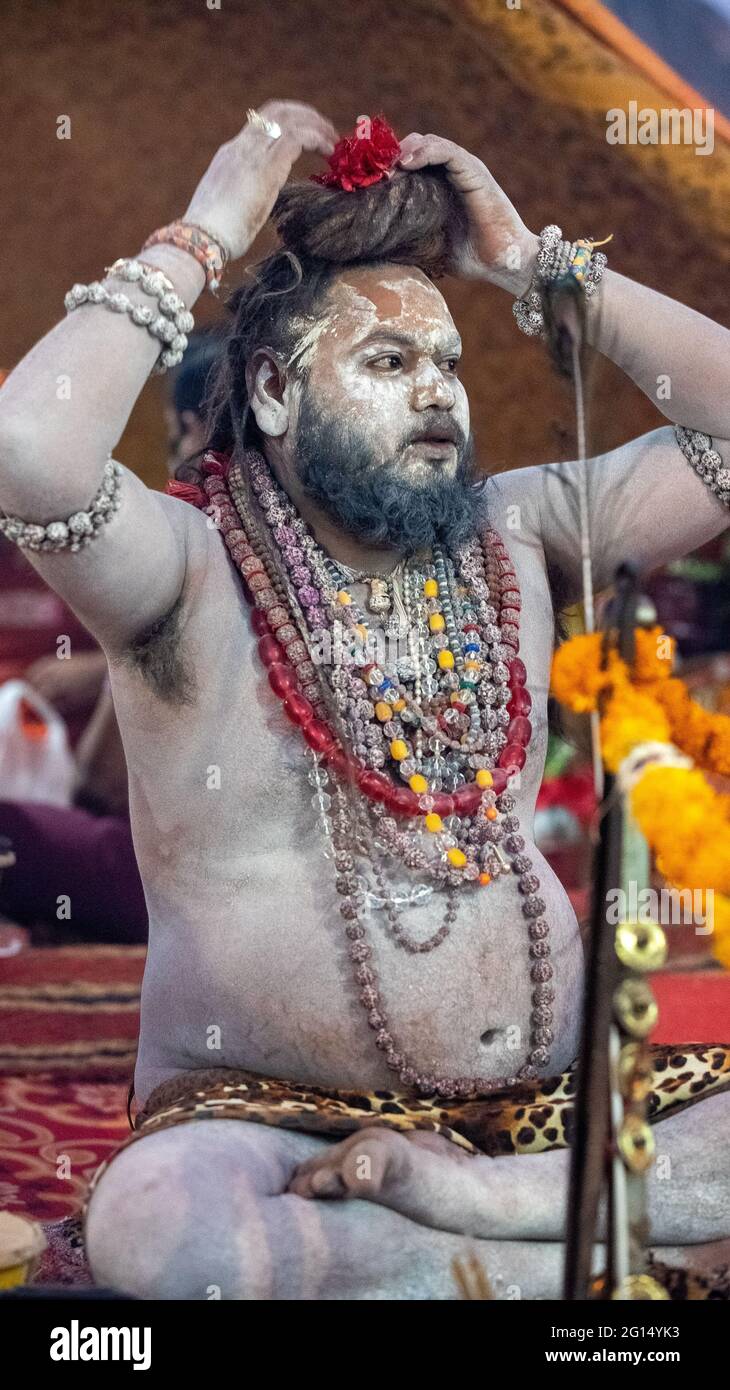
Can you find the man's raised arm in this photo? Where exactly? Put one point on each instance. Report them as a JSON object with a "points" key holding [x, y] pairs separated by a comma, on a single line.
{"points": [[62, 411], [65, 406], [665, 493], [658, 496]]}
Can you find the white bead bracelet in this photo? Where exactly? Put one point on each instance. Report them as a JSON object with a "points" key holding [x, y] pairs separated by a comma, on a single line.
{"points": [[78, 529]]}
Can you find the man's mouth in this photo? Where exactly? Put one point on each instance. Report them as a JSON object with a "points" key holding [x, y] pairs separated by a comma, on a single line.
{"points": [[438, 442]]}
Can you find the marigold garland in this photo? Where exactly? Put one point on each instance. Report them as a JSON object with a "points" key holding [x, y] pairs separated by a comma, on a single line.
{"points": [[577, 678], [703, 736], [631, 716], [674, 807], [649, 698]]}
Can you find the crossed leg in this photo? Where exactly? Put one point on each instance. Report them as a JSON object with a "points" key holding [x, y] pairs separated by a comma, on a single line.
{"points": [[525, 1196], [224, 1209], [202, 1211]]}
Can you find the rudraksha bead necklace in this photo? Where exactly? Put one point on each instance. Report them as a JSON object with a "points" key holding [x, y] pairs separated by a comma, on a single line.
{"points": [[469, 698]]}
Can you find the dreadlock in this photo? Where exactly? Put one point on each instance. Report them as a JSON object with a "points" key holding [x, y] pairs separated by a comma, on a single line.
{"points": [[266, 311]]}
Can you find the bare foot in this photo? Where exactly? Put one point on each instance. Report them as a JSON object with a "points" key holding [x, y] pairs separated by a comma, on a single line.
{"points": [[363, 1165], [407, 1172], [433, 1181]]}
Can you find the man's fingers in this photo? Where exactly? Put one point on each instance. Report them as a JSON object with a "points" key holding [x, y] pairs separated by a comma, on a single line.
{"points": [[409, 145], [298, 113], [427, 149], [305, 136], [313, 138], [293, 143]]}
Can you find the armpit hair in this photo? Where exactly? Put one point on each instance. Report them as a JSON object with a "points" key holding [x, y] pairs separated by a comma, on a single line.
{"points": [[156, 654]]}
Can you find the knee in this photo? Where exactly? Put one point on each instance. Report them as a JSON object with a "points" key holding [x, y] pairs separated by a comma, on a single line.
{"points": [[165, 1223]]}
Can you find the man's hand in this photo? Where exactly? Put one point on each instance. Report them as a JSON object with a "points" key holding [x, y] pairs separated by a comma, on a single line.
{"points": [[242, 182], [500, 247]]}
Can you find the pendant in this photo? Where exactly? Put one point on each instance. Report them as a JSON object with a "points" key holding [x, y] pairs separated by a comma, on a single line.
{"points": [[504, 865], [379, 600]]}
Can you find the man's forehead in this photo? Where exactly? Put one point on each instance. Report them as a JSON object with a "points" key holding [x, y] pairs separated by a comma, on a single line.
{"points": [[365, 300]]}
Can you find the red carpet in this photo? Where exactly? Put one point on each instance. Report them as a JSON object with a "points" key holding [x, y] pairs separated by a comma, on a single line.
{"points": [[69, 1018], [53, 1135], [71, 1010]]}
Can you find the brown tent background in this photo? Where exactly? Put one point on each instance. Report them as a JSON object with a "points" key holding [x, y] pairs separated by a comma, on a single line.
{"points": [[152, 89]]}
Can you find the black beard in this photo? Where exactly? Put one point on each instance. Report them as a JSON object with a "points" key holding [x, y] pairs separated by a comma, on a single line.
{"points": [[374, 502]]}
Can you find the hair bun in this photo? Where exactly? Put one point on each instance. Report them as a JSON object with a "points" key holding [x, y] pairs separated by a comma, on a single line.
{"points": [[411, 218]]}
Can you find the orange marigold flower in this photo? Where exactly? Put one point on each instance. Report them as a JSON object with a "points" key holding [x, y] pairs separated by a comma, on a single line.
{"points": [[631, 716], [703, 735], [654, 654], [576, 676]]}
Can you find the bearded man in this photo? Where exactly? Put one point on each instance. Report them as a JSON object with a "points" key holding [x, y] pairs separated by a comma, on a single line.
{"points": [[351, 932]]}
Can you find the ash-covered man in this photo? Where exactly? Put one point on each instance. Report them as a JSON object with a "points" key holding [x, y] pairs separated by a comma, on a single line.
{"points": [[284, 807]]}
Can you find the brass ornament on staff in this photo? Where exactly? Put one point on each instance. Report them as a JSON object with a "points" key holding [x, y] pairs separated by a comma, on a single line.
{"points": [[614, 1147]]}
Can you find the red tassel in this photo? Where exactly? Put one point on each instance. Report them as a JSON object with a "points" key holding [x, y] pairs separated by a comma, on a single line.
{"points": [[187, 492]]}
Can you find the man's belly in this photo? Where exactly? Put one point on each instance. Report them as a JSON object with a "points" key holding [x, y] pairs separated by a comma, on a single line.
{"points": [[249, 966]]}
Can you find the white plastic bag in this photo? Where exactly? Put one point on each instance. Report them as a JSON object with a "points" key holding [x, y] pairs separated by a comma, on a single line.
{"points": [[37, 766]]}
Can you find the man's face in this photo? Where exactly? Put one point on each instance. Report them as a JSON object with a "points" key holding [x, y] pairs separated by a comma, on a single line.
{"points": [[383, 361]]}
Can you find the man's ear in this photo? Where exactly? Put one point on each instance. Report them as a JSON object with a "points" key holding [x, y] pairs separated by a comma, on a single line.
{"points": [[266, 385]]}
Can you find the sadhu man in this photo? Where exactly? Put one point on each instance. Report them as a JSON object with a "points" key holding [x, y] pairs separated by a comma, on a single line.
{"points": [[359, 963]]}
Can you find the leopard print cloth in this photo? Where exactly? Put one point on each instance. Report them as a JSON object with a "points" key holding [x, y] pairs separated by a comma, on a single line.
{"points": [[529, 1118]]}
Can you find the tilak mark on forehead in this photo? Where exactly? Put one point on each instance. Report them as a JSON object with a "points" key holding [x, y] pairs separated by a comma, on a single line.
{"points": [[364, 314]]}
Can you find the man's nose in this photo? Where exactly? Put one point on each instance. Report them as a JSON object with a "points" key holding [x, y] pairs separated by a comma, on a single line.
{"points": [[432, 388]]}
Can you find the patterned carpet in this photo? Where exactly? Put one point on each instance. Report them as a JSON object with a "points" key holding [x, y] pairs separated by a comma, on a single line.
{"points": [[69, 1018], [54, 1133], [72, 1010]]}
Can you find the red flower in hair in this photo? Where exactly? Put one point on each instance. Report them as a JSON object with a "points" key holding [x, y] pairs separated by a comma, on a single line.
{"points": [[363, 158]]}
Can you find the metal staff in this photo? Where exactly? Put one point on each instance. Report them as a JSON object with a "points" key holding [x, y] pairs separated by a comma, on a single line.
{"points": [[591, 1124], [612, 1139]]}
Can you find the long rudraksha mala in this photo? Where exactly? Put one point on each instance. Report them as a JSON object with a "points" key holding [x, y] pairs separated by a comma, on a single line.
{"points": [[451, 721]]}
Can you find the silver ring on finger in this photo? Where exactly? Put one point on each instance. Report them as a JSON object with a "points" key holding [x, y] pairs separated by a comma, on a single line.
{"points": [[272, 128]]}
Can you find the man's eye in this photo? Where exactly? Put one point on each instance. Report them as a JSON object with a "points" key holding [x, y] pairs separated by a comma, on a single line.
{"points": [[453, 362]]}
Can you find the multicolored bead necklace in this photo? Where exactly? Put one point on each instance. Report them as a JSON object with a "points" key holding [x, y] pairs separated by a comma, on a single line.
{"points": [[453, 726]]}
